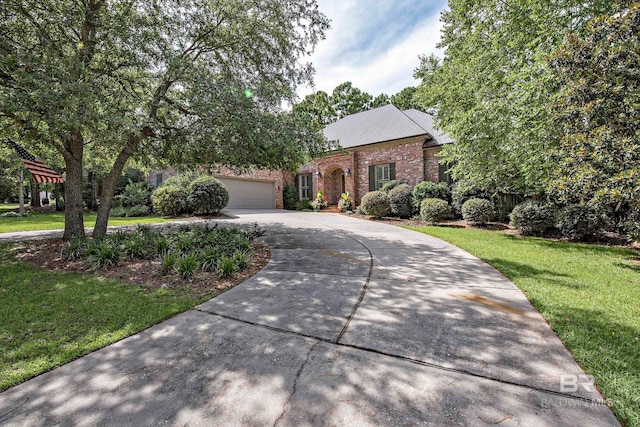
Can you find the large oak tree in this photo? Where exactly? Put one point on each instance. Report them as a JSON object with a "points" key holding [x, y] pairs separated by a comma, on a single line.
{"points": [[100, 79]]}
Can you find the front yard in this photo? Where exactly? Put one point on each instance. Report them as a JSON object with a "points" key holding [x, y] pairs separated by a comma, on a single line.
{"points": [[589, 294]]}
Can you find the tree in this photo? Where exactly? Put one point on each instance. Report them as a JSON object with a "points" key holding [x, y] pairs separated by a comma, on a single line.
{"points": [[348, 99], [598, 110], [381, 100], [404, 99], [317, 109], [121, 79], [493, 87]]}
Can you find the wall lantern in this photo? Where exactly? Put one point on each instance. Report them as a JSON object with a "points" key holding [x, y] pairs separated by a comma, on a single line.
{"points": [[347, 172], [318, 174]]}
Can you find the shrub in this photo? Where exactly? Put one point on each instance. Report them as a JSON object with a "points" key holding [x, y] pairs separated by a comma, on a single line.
{"points": [[209, 259], [389, 186], [134, 247], [290, 197], [12, 214], [226, 267], [532, 218], [104, 254], [319, 202], [168, 263], [463, 191], [304, 205], [581, 221], [136, 194], [434, 210], [118, 212], [207, 195], [430, 190], [169, 200], [401, 199], [477, 211], [631, 225], [376, 204], [139, 210], [345, 203], [187, 265], [360, 210]]}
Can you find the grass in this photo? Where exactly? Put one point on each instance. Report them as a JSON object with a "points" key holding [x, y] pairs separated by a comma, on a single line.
{"points": [[48, 318], [589, 294], [55, 220]]}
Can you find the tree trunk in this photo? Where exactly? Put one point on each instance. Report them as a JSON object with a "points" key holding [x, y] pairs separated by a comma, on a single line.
{"points": [[35, 195], [111, 181], [73, 220], [56, 194]]}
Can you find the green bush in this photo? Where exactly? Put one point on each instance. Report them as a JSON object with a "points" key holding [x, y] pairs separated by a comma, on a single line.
{"points": [[103, 254], [304, 205], [182, 180], [226, 267], [319, 202], [207, 195], [430, 190], [477, 211], [581, 221], [345, 203], [631, 225], [401, 201], [360, 210], [290, 197], [187, 265], [170, 200], [118, 212], [376, 204], [138, 210], [434, 210], [389, 186], [136, 194], [533, 218], [463, 191]]}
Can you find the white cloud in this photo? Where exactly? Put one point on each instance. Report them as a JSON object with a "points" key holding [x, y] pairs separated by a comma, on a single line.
{"points": [[373, 47]]}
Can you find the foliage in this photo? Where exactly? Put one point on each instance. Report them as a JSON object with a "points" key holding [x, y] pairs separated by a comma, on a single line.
{"points": [[376, 204], [290, 196], [319, 202], [136, 194], [404, 99], [118, 212], [598, 109], [348, 99], [631, 227], [104, 82], [170, 200], [430, 190], [434, 210], [303, 205], [463, 191], [187, 265], [345, 203], [138, 211], [317, 109], [129, 176], [103, 254], [533, 218], [585, 292], [493, 88], [380, 101], [581, 221], [477, 211], [388, 186], [207, 195], [226, 267], [401, 201]]}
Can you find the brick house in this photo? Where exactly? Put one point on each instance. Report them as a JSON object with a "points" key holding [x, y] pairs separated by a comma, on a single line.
{"points": [[378, 145]]}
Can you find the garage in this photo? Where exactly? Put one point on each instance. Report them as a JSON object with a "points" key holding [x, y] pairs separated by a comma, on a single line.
{"points": [[250, 194]]}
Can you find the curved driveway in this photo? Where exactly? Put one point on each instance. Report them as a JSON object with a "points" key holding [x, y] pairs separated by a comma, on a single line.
{"points": [[351, 323]]}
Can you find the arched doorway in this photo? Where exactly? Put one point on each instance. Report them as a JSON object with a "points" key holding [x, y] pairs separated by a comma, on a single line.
{"points": [[334, 186]]}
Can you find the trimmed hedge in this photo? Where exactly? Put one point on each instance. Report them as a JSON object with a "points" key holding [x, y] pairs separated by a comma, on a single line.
{"points": [[434, 210], [401, 199], [390, 186], [477, 211], [580, 221], [430, 190], [376, 204], [463, 191], [170, 200], [207, 195], [533, 218]]}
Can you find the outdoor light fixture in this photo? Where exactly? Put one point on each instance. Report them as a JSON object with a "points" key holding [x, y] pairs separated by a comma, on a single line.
{"points": [[318, 174], [347, 172]]}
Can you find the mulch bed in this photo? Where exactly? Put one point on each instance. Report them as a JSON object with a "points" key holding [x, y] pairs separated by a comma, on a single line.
{"points": [[143, 273]]}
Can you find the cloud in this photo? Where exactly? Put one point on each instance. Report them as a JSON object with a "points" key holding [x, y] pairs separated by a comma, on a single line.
{"points": [[376, 48]]}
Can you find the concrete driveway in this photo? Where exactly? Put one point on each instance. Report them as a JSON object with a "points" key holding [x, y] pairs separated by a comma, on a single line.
{"points": [[351, 323]]}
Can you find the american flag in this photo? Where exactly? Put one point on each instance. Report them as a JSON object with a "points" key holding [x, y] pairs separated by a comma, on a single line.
{"points": [[39, 171]]}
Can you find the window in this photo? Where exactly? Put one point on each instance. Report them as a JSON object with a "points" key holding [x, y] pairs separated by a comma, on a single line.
{"points": [[382, 175], [443, 175], [379, 175], [304, 187]]}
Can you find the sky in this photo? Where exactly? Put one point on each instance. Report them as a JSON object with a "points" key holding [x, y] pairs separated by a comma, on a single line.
{"points": [[375, 43]]}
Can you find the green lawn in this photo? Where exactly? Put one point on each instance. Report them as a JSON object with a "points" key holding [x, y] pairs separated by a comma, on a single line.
{"points": [[49, 318], [55, 220], [589, 294]]}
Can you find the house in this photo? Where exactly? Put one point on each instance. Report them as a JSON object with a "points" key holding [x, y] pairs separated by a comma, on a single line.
{"points": [[377, 146]]}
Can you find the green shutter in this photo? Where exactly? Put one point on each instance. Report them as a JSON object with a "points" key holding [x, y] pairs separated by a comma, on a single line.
{"points": [[392, 171], [297, 184], [372, 178], [312, 195]]}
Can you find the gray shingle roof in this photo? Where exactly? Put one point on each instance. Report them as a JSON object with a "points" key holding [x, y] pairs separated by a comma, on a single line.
{"points": [[381, 124]]}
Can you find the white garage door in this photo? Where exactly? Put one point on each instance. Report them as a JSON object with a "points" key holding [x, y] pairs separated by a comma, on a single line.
{"points": [[250, 194]]}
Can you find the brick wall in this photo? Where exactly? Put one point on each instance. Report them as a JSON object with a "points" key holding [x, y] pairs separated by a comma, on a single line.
{"points": [[431, 165]]}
